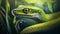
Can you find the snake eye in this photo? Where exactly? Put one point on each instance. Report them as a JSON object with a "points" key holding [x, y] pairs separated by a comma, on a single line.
{"points": [[26, 10]]}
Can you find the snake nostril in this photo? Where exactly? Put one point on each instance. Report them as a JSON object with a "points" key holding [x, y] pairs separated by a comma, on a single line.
{"points": [[26, 10]]}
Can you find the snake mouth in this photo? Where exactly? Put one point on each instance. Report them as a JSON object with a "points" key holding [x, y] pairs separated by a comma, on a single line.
{"points": [[35, 16]]}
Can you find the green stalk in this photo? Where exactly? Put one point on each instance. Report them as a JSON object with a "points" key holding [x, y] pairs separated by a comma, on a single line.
{"points": [[7, 20]]}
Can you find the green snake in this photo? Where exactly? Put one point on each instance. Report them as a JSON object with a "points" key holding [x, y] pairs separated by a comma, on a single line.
{"points": [[50, 20]]}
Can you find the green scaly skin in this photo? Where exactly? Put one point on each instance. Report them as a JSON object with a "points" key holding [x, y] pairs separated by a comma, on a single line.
{"points": [[50, 22]]}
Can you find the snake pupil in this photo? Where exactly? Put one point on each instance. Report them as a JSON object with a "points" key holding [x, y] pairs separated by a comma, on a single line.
{"points": [[26, 10]]}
